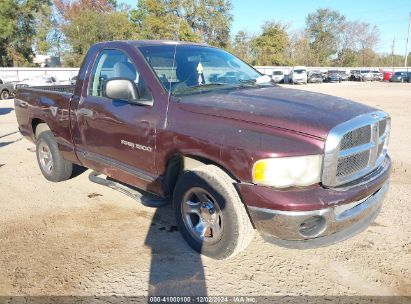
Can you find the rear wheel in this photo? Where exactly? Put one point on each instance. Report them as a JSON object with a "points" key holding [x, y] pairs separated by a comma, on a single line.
{"points": [[4, 94], [210, 214], [53, 166]]}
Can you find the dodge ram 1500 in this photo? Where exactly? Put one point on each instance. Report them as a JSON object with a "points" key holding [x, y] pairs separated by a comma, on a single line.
{"points": [[195, 125]]}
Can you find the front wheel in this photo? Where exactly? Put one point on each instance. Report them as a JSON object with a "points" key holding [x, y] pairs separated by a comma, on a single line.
{"points": [[4, 95], [53, 166], [210, 213]]}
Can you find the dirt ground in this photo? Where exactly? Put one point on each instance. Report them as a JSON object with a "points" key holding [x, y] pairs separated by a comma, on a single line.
{"points": [[79, 238]]}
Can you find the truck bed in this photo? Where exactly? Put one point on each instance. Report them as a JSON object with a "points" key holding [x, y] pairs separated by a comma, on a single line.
{"points": [[50, 105]]}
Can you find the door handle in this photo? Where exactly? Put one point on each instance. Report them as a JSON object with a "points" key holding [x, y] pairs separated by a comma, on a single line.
{"points": [[85, 112]]}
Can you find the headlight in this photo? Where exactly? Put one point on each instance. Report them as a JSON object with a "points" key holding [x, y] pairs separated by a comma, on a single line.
{"points": [[288, 171]]}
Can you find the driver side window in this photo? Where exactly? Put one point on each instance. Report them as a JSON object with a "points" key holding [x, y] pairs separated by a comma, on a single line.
{"points": [[114, 64]]}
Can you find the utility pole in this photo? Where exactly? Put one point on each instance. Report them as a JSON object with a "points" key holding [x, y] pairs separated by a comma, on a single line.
{"points": [[392, 52], [406, 45]]}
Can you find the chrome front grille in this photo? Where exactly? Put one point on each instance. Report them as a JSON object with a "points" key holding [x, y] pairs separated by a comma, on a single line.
{"points": [[351, 164], [355, 148], [356, 137]]}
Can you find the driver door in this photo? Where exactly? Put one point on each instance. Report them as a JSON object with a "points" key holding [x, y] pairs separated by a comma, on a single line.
{"points": [[118, 138]]}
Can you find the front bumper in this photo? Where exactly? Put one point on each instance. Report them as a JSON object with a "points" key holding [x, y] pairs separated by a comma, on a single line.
{"points": [[316, 216], [311, 229]]}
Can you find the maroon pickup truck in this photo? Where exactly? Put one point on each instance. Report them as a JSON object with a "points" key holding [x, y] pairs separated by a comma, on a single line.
{"points": [[194, 125]]}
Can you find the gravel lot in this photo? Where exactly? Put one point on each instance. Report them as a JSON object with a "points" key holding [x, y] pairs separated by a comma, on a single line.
{"points": [[79, 238]]}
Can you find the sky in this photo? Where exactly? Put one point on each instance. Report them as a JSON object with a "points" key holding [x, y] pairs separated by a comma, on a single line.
{"points": [[391, 16]]}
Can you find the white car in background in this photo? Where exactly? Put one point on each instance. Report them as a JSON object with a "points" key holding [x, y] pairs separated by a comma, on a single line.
{"points": [[366, 75], [378, 76], [278, 76], [298, 74], [39, 81]]}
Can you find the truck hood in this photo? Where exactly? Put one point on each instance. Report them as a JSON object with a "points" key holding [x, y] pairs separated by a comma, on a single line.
{"points": [[295, 110]]}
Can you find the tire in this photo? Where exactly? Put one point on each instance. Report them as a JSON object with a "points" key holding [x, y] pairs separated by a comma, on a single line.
{"points": [[235, 230], [47, 151], [4, 95]]}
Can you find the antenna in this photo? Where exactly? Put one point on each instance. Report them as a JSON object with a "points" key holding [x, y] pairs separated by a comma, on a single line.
{"points": [[176, 38], [392, 53], [169, 88]]}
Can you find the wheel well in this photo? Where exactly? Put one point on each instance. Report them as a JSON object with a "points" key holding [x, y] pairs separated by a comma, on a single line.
{"points": [[38, 123], [178, 164]]}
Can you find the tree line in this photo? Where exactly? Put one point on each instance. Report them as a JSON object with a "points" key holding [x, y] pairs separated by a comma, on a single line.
{"points": [[328, 39], [67, 28]]}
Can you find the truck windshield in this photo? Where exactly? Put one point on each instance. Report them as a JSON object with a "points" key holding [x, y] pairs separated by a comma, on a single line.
{"points": [[187, 69]]}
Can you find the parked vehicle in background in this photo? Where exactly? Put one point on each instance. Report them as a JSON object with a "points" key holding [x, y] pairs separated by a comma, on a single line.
{"points": [[278, 76], [366, 75], [400, 77], [73, 80], [378, 76], [66, 82], [344, 76], [333, 76], [6, 90], [387, 75], [232, 153], [298, 74], [38, 81], [315, 77], [355, 75]]}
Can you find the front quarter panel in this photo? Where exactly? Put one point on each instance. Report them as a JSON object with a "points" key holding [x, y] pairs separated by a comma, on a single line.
{"points": [[244, 144]]}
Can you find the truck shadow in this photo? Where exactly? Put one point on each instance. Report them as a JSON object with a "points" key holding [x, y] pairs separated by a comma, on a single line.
{"points": [[175, 269], [78, 170], [4, 111], [6, 143]]}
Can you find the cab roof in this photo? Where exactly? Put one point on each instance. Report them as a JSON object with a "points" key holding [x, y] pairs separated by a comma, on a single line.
{"points": [[141, 43]]}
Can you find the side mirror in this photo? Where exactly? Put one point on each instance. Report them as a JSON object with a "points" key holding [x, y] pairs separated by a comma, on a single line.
{"points": [[125, 89]]}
